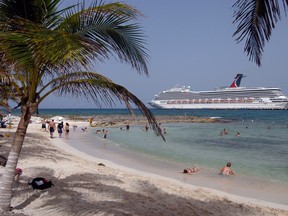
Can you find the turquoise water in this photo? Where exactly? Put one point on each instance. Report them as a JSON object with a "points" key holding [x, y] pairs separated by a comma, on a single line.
{"points": [[261, 151]]}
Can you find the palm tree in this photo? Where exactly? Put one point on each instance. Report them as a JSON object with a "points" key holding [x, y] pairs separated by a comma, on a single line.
{"points": [[256, 19], [6, 90], [51, 51], [4, 97]]}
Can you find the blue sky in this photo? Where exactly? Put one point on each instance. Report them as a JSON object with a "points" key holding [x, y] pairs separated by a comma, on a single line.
{"points": [[190, 43]]}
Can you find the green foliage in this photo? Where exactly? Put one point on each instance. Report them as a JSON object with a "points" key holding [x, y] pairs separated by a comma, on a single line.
{"points": [[256, 19], [48, 50]]}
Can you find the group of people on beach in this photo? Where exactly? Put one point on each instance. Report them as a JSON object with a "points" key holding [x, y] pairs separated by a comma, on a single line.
{"points": [[52, 128], [225, 170]]}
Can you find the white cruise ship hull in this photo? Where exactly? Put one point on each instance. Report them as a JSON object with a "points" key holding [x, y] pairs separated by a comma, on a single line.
{"points": [[252, 105], [233, 97]]}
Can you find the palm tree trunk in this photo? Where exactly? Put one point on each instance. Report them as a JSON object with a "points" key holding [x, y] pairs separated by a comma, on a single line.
{"points": [[7, 179]]}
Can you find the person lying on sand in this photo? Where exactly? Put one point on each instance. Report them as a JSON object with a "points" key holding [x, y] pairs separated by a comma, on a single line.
{"points": [[190, 170]]}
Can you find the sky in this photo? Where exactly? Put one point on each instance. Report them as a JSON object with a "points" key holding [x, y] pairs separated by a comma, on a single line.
{"points": [[190, 43]]}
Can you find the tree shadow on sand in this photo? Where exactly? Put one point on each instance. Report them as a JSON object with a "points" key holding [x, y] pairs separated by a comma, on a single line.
{"points": [[32, 150], [97, 194]]}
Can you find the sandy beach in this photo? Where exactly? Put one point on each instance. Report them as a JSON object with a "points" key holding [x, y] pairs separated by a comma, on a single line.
{"points": [[83, 187]]}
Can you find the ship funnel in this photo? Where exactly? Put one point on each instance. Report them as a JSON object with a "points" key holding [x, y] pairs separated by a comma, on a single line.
{"points": [[237, 81]]}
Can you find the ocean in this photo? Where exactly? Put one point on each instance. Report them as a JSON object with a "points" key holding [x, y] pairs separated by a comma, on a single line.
{"points": [[260, 152]]}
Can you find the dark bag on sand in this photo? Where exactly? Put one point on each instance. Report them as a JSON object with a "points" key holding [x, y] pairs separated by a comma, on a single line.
{"points": [[3, 160], [40, 183]]}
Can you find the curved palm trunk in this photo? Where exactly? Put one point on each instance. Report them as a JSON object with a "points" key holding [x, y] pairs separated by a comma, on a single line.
{"points": [[6, 181]]}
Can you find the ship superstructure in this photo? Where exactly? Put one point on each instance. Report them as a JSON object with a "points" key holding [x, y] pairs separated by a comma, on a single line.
{"points": [[233, 97]]}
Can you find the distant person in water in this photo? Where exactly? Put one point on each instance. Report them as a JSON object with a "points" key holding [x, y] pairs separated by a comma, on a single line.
{"points": [[226, 170], [146, 127], [105, 133], [224, 132], [238, 134], [191, 170], [127, 126], [164, 131]]}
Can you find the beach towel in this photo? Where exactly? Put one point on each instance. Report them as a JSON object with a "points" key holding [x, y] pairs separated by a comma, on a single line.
{"points": [[40, 183]]}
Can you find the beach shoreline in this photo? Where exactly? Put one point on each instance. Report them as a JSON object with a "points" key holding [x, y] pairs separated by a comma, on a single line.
{"points": [[63, 162], [208, 178]]}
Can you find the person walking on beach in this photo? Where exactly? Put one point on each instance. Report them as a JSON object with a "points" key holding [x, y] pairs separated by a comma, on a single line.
{"points": [[52, 127], [60, 129], [67, 130], [43, 125], [226, 170]]}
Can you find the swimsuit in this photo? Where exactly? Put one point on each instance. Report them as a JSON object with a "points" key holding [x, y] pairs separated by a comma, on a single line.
{"points": [[226, 171]]}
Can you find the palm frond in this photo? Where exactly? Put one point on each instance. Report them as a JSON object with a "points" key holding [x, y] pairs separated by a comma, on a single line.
{"points": [[34, 45], [7, 91], [256, 19], [5, 105], [97, 88], [105, 27]]}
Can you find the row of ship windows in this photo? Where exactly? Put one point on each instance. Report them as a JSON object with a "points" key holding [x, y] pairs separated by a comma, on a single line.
{"points": [[216, 95], [207, 101]]}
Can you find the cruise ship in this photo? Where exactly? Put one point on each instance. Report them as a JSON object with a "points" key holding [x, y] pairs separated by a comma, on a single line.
{"points": [[233, 97]]}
